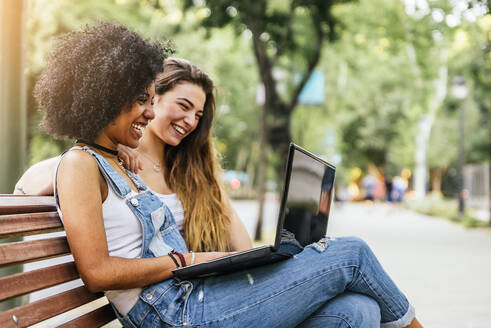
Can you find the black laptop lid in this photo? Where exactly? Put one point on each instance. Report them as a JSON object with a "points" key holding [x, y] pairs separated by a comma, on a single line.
{"points": [[307, 196]]}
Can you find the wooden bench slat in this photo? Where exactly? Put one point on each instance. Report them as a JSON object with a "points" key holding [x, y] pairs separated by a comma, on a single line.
{"points": [[28, 224], [27, 282], [28, 251], [26, 215], [96, 318], [16, 204], [49, 307]]}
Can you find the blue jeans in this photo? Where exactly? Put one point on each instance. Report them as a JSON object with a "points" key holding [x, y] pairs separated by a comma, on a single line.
{"points": [[291, 293]]}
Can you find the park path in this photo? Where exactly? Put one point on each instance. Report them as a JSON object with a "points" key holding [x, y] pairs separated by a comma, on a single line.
{"points": [[443, 268]]}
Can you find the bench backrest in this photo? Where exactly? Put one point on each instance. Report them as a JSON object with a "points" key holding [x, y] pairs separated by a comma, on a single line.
{"points": [[27, 215]]}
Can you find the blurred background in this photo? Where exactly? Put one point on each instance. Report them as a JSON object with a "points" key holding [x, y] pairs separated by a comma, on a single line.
{"points": [[395, 93]]}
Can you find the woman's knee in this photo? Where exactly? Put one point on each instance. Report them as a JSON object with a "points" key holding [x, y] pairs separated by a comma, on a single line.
{"points": [[347, 250], [358, 246], [350, 310], [355, 242], [364, 309]]}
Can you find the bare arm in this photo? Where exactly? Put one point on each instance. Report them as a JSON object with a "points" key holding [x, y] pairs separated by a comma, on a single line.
{"points": [[238, 234], [38, 179], [81, 189]]}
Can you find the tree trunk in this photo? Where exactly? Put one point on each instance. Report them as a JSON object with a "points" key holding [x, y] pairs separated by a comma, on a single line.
{"points": [[12, 106], [276, 113], [424, 131], [261, 177], [280, 138], [265, 72], [12, 96], [421, 171], [436, 179]]}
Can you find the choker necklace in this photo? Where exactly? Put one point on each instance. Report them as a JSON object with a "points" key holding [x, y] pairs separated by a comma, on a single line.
{"points": [[107, 150], [157, 167], [118, 160]]}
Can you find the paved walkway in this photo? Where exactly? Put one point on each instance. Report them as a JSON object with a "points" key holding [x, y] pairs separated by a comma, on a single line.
{"points": [[444, 269]]}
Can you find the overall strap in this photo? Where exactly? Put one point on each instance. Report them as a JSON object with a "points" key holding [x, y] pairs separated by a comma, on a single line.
{"points": [[137, 181], [119, 184], [140, 185], [114, 180]]}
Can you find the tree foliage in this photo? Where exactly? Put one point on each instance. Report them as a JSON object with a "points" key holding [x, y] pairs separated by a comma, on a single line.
{"points": [[380, 73], [287, 37]]}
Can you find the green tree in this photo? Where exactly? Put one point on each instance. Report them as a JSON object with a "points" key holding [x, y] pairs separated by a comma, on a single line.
{"points": [[368, 83], [388, 79], [287, 36], [469, 57]]}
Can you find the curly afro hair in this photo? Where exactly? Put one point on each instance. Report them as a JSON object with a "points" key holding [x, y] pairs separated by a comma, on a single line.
{"points": [[94, 73]]}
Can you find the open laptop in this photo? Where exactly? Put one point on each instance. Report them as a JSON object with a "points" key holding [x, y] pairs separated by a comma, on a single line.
{"points": [[303, 212]]}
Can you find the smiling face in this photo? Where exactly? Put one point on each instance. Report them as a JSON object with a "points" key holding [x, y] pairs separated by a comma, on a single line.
{"points": [[128, 127], [177, 112]]}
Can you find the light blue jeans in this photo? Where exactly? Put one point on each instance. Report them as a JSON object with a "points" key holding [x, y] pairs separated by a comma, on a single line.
{"points": [[332, 283], [295, 292]]}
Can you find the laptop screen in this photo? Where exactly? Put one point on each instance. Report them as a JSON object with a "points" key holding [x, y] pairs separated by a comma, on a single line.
{"points": [[308, 196]]}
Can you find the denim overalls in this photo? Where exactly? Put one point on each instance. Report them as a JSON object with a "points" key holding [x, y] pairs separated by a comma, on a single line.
{"points": [[299, 292], [160, 236]]}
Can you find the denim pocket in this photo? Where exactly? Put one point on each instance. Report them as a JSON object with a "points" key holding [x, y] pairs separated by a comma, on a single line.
{"points": [[157, 245], [159, 219], [170, 233], [168, 299]]}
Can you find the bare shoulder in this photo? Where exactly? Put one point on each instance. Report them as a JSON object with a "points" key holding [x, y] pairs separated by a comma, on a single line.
{"points": [[78, 162], [77, 155], [79, 177]]}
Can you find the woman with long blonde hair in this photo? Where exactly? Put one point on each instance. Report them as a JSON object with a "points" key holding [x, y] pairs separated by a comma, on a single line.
{"points": [[189, 161]]}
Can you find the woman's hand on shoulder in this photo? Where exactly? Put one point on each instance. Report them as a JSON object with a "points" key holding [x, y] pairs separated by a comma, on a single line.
{"points": [[130, 157]]}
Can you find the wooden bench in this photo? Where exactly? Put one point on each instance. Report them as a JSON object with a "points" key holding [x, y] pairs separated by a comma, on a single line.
{"points": [[29, 215]]}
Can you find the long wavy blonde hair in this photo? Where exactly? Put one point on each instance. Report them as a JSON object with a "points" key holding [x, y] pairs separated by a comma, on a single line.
{"points": [[192, 167]]}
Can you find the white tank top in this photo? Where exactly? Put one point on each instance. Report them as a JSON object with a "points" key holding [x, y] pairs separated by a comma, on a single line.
{"points": [[124, 238]]}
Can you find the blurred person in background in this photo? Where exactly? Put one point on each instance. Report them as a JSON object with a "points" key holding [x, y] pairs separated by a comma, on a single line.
{"points": [[388, 188], [369, 183], [399, 188]]}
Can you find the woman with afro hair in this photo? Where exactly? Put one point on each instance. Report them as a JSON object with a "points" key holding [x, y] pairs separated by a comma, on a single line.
{"points": [[126, 242]]}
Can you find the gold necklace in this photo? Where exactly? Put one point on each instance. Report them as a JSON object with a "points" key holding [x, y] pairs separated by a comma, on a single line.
{"points": [[122, 168], [120, 163], [157, 167]]}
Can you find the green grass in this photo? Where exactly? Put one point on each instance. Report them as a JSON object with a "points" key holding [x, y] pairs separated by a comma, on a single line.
{"points": [[434, 204]]}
